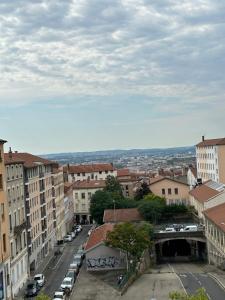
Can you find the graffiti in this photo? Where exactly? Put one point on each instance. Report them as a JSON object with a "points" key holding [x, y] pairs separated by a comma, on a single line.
{"points": [[103, 262]]}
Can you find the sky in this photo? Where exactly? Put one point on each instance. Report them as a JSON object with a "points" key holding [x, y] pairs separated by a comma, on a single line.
{"points": [[84, 75]]}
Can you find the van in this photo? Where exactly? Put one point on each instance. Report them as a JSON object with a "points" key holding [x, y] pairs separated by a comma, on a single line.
{"points": [[190, 228]]}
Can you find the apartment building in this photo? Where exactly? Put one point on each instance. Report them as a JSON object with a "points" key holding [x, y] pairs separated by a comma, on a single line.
{"points": [[173, 190], [192, 177], [5, 285], [129, 182], [82, 193], [88, 172], [39, 206], [17, 222], [210, 156], [58, 204], [215, 234], [69, 206]]}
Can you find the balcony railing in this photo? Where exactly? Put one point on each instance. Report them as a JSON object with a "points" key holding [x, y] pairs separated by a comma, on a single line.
{"points": [[19, 228], [41, 175]]}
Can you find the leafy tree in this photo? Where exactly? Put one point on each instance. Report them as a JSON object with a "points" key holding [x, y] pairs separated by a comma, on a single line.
{"points": [[100, 201], [130, 238], [152, 207], [199, 295], [42, 297], [113, 185], [142, 191], [174, 209]]}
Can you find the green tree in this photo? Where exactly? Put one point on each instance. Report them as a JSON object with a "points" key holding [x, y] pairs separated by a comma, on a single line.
{"points": [[151, 208], [130, 238], [142, 191], [174, 209], [112, 185], [100, 201], [42, 297], [199, 295]]}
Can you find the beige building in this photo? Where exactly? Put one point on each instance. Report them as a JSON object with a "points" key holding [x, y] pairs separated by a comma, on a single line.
{"points": [[58, 196], [88, 172], [82, 193], [192, 177], [210, 155], [175, 191], [5, 284], [215, 234], [129, 182], [39, 206], [69, 206], [17, 223]]}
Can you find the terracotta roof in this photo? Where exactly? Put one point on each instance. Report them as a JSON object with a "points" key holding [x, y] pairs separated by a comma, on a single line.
{"points": [[74, 169], [67, 186], [203, 193], [28, 159], [122, 215], [217, 215], [161, 178], [212, 142], [123, 172], [91, 184], [98, 235]]}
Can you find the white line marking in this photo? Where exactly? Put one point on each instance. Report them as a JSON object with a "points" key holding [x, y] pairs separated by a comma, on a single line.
{"points": [[178, 278], [57, 262]]}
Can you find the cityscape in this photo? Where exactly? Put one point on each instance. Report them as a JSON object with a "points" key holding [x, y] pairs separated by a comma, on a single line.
{"points": [[112, 150]]}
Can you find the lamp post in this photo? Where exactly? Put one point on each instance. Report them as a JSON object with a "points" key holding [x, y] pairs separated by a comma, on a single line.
{"points": [[114, 211]]}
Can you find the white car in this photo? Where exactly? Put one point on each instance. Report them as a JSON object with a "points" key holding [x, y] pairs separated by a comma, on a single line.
{"points": [[89, 232], [67, 283], [168, 229], [68, 238], [40, 279], [59, 296], [73, 234]]}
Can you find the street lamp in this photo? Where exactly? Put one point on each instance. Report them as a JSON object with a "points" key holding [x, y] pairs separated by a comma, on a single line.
{"points": [[114, 211]]}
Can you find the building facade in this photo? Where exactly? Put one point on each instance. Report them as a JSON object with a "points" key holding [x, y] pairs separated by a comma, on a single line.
{"points": [[58, 195], [69, 206], [174, 191], [82, 193], [210, 156], [17, 223], [5, 280], [88, 172]]}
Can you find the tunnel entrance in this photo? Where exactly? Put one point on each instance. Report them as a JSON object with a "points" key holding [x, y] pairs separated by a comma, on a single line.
{"points": [[180, 250]]}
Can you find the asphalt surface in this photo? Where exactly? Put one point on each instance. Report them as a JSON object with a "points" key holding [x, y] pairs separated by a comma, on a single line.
{"points": [[194, 281], [58, 266]]}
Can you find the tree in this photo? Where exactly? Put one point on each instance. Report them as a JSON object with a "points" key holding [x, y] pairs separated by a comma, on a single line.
{"points": [[130, 238], [174, 209], [112, 185], [199, 295], [142, 191], [151, 208], [42, 297]]}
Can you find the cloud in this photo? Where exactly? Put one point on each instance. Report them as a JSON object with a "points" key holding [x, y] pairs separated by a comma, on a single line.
{"points": [[160, 49]]}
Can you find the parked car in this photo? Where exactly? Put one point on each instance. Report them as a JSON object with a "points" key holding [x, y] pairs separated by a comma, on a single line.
{"points": [[168, 229], [40, 279], [32, 289], [89, 232], [72, 273], [67, 283], [73, 234], [74, 266], [67, 238], [79, 228], [190, 228], [77, 259], [59, 296]]}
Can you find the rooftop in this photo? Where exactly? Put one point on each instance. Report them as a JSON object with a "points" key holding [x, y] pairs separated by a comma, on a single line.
{"points": [[203, 193], [89, 184], [161, 178], [122, 215], [74, 169], [98, 235], [211, 142], [217, 215]]}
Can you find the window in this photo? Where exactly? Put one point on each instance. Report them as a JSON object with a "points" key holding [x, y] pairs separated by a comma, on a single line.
{"points": [[176, 191], [1, 182], [169, 191], [89, 196], [163, 192], [4, 242], [82, 195], [2, 211], [10, 222]]}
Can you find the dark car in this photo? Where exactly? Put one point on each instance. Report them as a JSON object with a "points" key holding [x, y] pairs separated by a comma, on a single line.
{"points": [[32, 289]]}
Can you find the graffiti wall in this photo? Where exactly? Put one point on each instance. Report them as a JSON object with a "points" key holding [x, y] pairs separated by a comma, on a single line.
{"points": [[103, 262]]}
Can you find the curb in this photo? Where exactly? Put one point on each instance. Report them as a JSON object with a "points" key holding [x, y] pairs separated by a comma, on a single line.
{"points": [[217, 280]]}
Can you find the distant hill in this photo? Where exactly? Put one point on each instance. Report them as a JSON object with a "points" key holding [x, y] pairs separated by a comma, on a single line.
{"points": [[112, 155]]}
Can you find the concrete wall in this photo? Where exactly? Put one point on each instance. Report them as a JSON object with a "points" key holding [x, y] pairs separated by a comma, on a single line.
{"points": [[105, 258]]}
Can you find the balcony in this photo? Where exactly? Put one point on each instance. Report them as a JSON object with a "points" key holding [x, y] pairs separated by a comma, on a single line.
{"points": [[19, 228], [42, 199], [27, 207], [53, 192], [41, 175]]}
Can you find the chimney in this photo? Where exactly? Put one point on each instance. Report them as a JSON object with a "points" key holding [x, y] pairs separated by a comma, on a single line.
{"points": [[10, 152], [203, 138]]}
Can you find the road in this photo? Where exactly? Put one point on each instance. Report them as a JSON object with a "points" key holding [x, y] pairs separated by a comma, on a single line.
{"points": [[57, 268], [193, 278]]}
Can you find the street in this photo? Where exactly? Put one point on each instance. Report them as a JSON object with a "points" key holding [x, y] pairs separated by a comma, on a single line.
{"points": [[57, 268]]}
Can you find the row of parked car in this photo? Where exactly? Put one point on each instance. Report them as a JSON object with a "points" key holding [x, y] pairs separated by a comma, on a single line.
{"points": [[34, 286], [70, 236], [71, 275], [178, 227]]}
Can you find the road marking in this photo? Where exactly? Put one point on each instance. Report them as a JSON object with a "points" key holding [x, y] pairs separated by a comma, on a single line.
{"points": [[217, 280], [171, 267], [208, 296], [57, 262]]}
